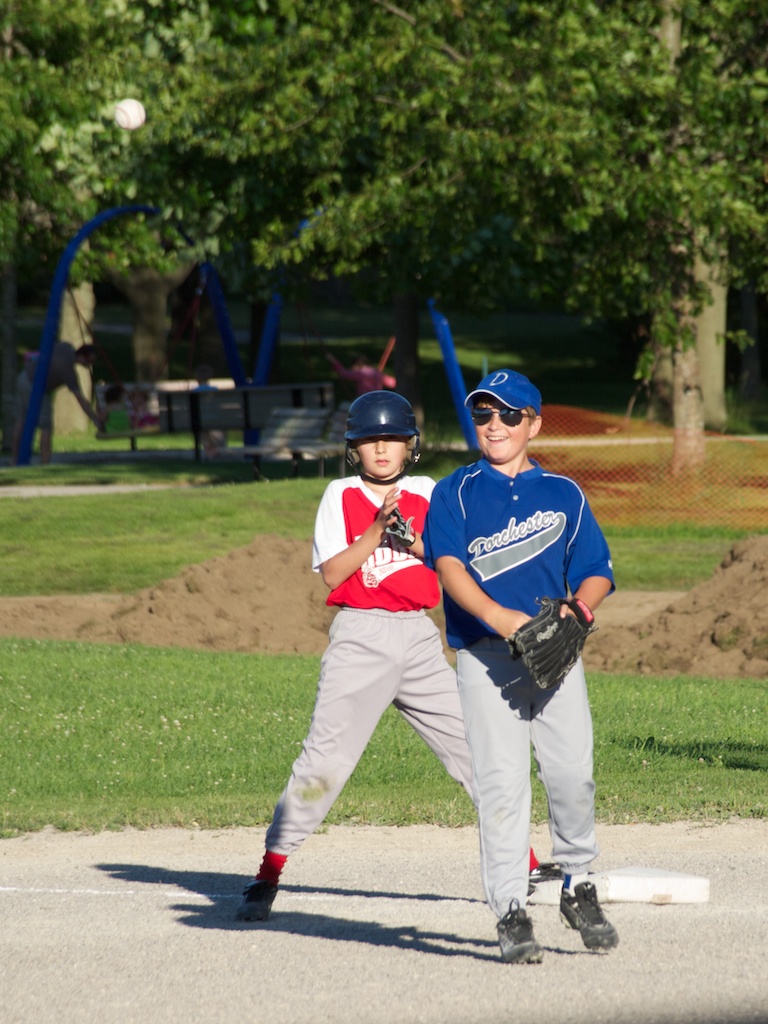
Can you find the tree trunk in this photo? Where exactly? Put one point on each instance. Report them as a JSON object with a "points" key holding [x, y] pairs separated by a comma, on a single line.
{"points": [[10, 367], [689, 449], [148, 292], [710, 326], [406, 363], [8, 301], [208, 346], [688, 452], [661, 401], [750, 371], [77, 310]]}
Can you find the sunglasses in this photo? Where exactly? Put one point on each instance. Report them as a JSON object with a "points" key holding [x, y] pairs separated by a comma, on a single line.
{"points": [[509, 417]]}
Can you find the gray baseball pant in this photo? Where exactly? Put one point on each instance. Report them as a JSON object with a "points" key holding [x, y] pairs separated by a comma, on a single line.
{"points": [[375, 658], [504, 714]]}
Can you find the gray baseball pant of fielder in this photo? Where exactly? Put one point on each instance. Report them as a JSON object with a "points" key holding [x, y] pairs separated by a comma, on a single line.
{"points": [[375, 658], [505, 713]]}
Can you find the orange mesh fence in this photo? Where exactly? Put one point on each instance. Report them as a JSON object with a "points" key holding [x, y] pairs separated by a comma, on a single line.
{"points": [[625, 469]]}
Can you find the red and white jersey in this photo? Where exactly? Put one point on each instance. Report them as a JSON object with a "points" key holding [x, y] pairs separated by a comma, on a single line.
{"points": [[392, 578]]}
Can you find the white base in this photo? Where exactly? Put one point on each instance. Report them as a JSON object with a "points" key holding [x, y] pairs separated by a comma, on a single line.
{"points": [[634, 885]]}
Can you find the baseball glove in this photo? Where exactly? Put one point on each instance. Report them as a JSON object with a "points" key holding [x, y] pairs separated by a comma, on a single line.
{"points": [[402, 529], [549, 645]]}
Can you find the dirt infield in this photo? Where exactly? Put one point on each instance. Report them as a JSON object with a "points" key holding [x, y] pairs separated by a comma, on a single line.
{"points": [[372, 926]]}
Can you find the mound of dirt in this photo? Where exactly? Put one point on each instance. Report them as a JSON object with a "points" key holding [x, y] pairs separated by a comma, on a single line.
{"points": [[265, 597], [719, 628]]}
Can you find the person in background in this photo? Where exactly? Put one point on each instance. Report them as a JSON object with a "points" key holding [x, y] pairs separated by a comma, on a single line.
{"points": [[363, 375], [139, 413], [113, 409], [62, 372]]}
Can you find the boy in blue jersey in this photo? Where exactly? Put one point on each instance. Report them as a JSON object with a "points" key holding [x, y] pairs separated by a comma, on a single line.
{"points": [[503, 533]]}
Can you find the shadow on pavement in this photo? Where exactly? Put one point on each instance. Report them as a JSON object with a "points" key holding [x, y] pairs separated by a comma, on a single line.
{"points": [[222, 891]]}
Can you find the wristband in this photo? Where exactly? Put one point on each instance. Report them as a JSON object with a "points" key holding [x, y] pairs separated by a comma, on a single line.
{"points": [[586, 610]]}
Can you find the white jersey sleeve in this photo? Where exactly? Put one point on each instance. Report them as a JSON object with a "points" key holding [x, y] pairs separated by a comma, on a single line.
{"points": [[330, 529]]}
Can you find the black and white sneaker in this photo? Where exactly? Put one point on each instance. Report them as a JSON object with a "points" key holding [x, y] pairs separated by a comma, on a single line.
{"points": [[257, 901], [516, 940], [583, 912]]}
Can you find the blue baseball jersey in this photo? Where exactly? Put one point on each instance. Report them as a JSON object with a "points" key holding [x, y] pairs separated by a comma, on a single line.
{"points": [[521, 538]]}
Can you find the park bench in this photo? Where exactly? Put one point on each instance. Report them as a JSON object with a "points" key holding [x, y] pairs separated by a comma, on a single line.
{"points": [[180, 408], [301, 434]]}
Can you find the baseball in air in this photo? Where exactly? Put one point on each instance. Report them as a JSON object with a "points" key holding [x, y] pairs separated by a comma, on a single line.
{"points": [[130, 114]]}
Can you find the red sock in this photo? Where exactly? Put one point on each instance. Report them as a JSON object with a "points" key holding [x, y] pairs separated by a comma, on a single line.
{"points": [[271, 867], [534, 861]]}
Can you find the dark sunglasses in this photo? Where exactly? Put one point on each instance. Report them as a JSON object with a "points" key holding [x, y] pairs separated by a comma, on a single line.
{"points": [[509, 417]]}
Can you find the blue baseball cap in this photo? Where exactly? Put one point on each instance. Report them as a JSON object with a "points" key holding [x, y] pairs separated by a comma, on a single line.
{"points": [[510, 387]]}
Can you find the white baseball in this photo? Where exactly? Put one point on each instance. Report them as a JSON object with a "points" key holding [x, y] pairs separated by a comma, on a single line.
{"points": [[130, 114]]}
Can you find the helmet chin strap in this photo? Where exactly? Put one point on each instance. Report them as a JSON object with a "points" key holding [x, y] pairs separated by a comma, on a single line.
{"points": [[378, 480]]}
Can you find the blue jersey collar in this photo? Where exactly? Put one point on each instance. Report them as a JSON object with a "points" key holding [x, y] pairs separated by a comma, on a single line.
{"points": [[496, 474]]}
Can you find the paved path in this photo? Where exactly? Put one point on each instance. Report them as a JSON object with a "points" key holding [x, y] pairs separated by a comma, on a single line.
{"points": [[60, 491], [372, 926], [75, 490]]}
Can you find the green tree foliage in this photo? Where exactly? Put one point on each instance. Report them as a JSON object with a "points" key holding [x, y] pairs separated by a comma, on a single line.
{"points": [[36, 99], [466, 151]]}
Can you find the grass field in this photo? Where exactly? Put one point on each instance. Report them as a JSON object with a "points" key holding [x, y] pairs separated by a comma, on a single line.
{"points": [[104, 737]]}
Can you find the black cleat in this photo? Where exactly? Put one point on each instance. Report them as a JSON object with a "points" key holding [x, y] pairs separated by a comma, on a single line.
{"points": [[518, 945], [583, 912], [257, 901]]}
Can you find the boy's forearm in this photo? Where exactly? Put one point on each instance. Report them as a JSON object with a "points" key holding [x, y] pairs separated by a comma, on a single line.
{"points": [[344, 564], [417, 548], [593, 590], [85, 405], [457, 582]]}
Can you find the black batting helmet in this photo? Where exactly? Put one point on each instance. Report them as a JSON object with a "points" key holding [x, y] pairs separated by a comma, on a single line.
{"points": [[379, 414]]}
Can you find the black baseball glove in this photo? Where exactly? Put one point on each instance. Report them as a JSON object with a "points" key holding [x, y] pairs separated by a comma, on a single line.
{"points": [[402, 529], [549, 645]]}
